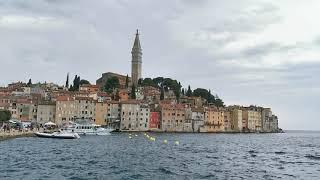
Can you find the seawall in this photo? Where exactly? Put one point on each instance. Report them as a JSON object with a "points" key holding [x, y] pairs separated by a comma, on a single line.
{"points": [[15, 134]]}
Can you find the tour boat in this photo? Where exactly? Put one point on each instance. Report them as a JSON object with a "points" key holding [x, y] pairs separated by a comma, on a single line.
{"points": [[88, 129], [58, 135]]}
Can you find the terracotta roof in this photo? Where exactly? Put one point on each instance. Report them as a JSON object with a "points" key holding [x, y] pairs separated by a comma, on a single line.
{"points": [[64, 98], [84, 98], [131, 102]]}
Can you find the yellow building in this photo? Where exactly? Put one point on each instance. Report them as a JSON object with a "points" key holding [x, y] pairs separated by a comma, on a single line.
{"points": [[252, 119], [101, 113], [236, 118], [214, 120]]}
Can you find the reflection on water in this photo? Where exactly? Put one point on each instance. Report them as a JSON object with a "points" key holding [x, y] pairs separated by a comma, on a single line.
{"points": [[197, 156]]}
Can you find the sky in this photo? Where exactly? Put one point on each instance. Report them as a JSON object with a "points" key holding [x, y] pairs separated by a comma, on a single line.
{"points": [[249, 52]]}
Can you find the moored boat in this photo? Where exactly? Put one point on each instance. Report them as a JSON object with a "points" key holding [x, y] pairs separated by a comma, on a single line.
{"points": [[58, 135], [88, 129]]}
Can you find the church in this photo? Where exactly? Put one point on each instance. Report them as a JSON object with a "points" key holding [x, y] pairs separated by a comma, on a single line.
{"points": [[136, 67]]}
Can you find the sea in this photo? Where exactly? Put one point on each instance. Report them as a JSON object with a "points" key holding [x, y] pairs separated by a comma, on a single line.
{"points": [[290, 155]]}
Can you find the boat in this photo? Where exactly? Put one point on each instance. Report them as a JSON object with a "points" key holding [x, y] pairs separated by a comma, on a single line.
{"points": [[58, 135], [88, 129]]}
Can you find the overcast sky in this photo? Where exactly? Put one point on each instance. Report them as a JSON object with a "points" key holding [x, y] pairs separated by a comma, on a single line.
{"points": [[261, 52]]}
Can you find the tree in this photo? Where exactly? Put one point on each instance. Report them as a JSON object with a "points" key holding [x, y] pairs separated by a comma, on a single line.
{"points": [[133, 92], [127, 81], [5, 115], [148, 82], [200, 92], [71, 88], [219, 102], [162, 94], [111, 84], [76, 84], [83, 81], [140, 82], [158, 81], [29, 83], [67, 81], [189, 92]]}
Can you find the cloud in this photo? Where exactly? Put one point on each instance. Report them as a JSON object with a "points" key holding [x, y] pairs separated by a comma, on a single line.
{"points": [[252, 52]]}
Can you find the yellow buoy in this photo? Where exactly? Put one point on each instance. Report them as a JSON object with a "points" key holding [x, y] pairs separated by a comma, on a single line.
{"points": [[152, 139], [177, 142], [136, 135], [130, 137], [165, 141], [145, 134]]}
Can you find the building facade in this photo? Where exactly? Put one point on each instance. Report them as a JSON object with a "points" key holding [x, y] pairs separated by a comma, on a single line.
{"points": [[46, 113]]}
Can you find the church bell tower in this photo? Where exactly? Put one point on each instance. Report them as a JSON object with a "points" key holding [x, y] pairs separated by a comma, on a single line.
{"points": [[136, 62]]}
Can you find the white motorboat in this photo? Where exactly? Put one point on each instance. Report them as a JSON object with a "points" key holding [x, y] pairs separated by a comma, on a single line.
{"points": [[58, 135], [88, 129]]}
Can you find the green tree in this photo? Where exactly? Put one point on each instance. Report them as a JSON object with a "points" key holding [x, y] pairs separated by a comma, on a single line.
{"points": [[67, 81], [189, 92], [29, 83], [127, 81], [158, 81], [133, 92], [140, 81], [219, 102], [83, 81], [200, 92], [71, 88], [5, 115], [162, 94], [149, 82], [111, 84], [76, 84]]}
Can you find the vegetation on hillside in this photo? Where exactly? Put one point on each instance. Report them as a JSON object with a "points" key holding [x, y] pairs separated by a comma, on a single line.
{"points": [[5, 115]]}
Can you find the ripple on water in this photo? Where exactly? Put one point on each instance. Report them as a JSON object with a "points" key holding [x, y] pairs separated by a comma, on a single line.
{"points": [[165, 170], [312, 157]]}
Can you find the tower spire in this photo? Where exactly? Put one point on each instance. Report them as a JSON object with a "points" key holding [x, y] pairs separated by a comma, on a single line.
{"points": [[136, 44], [136, 64]]}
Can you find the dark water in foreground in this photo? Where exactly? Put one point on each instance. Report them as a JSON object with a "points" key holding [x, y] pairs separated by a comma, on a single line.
{"points": [[199, 156]]}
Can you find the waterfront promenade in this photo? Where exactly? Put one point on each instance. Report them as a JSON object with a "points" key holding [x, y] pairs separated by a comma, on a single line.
{"points": [[4, 135]]}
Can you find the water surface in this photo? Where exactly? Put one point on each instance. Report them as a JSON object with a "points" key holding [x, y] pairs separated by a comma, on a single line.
{"points": [[198, 156]]}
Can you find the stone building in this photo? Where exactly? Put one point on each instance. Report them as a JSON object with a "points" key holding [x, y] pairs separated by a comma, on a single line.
{"points": [[101, 113], [194, 119], [227, 121], [251, 118], [173, 117], [114, 114], [46, 112], [134, 116], [73, 108], [236, 118], [105, 76], [27, 109]]}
